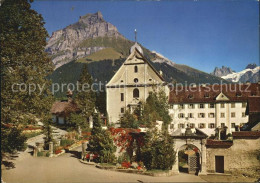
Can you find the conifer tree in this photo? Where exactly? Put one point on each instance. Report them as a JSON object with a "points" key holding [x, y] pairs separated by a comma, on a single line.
{"points": [[85, 97], [155, 108], [23, 63], [158, 150], [101, 142]]}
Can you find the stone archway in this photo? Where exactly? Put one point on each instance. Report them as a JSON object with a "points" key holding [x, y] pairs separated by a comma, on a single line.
{"points": [[197, 139], [189, 159]]}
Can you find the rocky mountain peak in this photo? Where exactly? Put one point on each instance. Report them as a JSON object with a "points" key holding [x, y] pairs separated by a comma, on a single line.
{"points": [[251, 66], [91, 18], [223, 71], [67, 44]]}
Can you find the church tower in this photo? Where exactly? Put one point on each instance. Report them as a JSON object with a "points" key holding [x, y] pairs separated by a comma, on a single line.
{"points": [[131, 84]]}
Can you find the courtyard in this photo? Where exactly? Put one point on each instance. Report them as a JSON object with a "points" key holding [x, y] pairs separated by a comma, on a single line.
{"points": [[67, 168]]}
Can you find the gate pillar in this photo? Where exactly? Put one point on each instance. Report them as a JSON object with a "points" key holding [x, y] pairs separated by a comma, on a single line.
{"points": [[203, 158]]}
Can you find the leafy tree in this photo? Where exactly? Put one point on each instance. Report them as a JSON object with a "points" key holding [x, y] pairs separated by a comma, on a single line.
{"points": [[86, 97], [12, 140], [23, 63], [101, 142], [76, 120], [158, 150]]}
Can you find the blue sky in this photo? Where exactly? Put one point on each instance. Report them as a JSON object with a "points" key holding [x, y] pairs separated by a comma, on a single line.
{"points": [[202, 34]]}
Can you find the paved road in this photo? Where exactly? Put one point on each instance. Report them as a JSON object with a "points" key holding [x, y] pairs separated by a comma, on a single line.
{"points": [[67, 168]]}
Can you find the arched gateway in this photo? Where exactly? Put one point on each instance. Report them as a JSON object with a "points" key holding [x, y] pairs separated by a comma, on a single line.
{"points": [[196, 162]]}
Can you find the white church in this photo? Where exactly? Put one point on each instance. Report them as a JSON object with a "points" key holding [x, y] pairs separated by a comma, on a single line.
{"points": [[131, 84]]}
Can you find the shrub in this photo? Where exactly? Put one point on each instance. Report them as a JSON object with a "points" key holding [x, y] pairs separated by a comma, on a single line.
{"points": [[40, 154], [48, 154], [66, 142]]}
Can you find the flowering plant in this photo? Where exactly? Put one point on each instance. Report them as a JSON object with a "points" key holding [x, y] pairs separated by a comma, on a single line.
{"points": [[126, 164]]}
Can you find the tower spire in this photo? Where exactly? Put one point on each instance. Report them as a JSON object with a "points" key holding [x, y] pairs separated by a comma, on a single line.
{"points": [[135, 35]]}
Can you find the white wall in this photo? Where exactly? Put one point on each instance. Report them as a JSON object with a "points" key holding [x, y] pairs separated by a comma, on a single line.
{"points": [[217, 120]]}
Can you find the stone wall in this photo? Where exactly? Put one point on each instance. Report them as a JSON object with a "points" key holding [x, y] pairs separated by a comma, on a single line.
{"points": [[239, 159]]}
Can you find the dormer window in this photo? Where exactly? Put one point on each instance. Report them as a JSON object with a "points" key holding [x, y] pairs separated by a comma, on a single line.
{"points": [[136, 69], [238, 94], [136, 80], [206, 95], [253, 94], [190, 96]]}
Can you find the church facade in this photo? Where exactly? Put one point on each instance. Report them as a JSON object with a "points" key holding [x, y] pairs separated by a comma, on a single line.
{"points": [[131, 84]]}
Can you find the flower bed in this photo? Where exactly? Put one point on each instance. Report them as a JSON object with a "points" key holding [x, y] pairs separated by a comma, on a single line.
{"points": [[126, 164], [95, 156], [58, 151]]}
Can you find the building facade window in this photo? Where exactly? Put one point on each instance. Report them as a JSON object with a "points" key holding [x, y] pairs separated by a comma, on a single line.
{"points": [[190, 115], [233, 125], [233, 105], [135, 80], [171, 126], [122, 96], [211, 125], [244, 104], [181, 125], [243, 114], [206, 95], [201, 106], [136, 69], [222, 115], [192, 125], [191, 106], [201, 115], [122, 110], [212, 115], [136, 93], [233, 114], [181, 115], [181, 106], [222, 125], [211, 105], [222, 105], [202, 125]]}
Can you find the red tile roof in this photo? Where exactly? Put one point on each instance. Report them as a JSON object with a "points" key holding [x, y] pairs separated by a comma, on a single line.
{"points": [[246, 134], [208, 93], [254, 104], [218, 143]]}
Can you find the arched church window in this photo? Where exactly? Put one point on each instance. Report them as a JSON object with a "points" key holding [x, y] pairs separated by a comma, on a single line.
{"points": [[136, 80], [136, 69], [136, 93]]}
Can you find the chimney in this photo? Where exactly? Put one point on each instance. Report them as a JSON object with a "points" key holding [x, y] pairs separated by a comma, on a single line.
{"points": [[69, 95]]}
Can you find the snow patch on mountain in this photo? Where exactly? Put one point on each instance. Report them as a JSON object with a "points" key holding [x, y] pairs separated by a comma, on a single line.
{"points": [[159, 58], [244, 74]]}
